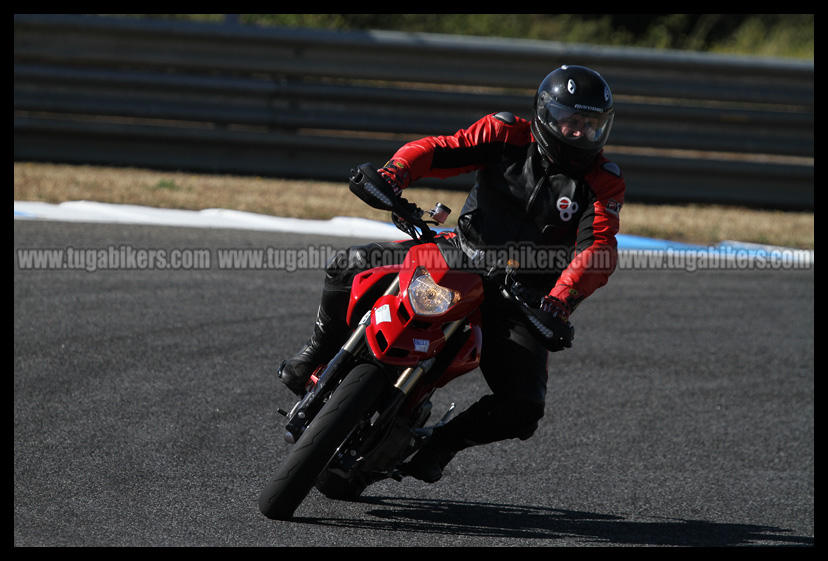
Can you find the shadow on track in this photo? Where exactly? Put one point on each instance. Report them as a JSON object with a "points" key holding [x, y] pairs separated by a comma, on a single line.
{"points": [[525, 522]]}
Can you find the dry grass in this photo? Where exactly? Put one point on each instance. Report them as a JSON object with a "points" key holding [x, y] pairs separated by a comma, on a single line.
{"points": [[54, 183]]}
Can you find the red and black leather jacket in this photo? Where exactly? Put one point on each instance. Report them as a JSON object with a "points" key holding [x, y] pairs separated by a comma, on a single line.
{"points": [[562, 225]]}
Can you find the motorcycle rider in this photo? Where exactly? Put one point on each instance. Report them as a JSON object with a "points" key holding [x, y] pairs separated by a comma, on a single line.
{"points": [[544, 184]]}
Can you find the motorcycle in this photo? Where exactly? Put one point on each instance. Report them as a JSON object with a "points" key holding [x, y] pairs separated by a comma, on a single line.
{"points": [[416, 327]]}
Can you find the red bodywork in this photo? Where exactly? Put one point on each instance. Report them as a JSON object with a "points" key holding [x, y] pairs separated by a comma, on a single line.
{"points": [[398, 336]]}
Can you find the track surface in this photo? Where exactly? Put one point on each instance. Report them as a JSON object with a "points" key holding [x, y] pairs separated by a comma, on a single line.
{"points": [[144, 412]]}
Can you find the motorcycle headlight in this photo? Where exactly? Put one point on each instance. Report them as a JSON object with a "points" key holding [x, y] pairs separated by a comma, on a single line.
{"points": [[427, 297]]}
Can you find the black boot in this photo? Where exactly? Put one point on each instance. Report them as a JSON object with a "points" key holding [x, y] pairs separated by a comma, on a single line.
{"points": [[486, 421], [329, 333], [428, 464]]}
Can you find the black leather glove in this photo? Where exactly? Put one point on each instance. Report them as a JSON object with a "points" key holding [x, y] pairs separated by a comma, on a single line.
{"points": [[555, 308]]}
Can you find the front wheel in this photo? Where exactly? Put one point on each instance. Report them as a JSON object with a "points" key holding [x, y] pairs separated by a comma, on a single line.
{"points": [[348, 404]]}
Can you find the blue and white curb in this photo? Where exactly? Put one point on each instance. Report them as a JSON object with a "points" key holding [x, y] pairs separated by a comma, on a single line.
{"points": [[87, 211]]}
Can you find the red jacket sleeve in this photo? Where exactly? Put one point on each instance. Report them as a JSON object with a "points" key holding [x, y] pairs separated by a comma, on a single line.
{"points": [[441, 156]]}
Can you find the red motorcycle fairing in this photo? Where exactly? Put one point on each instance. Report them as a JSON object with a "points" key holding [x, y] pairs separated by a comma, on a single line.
{"points": [[397, 334], [366, 288]]}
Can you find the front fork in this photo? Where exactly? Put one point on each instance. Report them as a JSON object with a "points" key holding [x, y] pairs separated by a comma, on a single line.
{"points": [[307, 408]]}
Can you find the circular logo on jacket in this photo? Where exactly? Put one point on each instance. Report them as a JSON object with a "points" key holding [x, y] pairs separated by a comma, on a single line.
{"points": [[567, 208]]}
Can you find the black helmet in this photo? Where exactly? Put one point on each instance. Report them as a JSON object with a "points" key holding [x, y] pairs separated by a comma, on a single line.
{"points": [[573, 116]]}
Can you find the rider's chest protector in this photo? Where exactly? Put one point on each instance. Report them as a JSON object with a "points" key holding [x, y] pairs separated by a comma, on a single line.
{"points": [[523, 201]]}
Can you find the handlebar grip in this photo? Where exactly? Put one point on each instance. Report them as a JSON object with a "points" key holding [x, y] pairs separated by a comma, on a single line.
{"points": [[366, 183], [550, 331]]}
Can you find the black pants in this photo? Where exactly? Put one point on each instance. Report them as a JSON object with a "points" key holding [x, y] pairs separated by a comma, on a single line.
{"points": [[513, 364]]}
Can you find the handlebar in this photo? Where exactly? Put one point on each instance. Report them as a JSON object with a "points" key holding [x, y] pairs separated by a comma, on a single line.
{"points": [[367, 184], [550, 331]]}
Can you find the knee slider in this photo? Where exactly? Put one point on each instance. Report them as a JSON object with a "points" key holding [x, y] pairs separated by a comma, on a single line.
{"points": [[344, 265], [337, 264]]}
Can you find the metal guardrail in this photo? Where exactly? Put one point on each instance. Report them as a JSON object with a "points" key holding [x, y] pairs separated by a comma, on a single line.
{"points": [[309, 103]]}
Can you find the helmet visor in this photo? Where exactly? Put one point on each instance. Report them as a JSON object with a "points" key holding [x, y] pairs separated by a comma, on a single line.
{"points": [[583, 127]]}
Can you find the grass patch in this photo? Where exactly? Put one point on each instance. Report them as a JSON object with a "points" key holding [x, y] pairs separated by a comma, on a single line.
{"points": [[166, 184]]}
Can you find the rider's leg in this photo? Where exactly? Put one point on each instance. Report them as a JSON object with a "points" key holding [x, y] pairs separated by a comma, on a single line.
{"points": [[515, 368], [330, 329], [329, 332]]}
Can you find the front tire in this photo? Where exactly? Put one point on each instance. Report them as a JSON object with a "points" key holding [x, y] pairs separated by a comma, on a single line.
{"points": [[348, 404]]}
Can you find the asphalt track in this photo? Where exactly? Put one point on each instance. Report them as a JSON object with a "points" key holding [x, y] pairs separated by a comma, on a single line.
{"points": [[144, 411]]}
